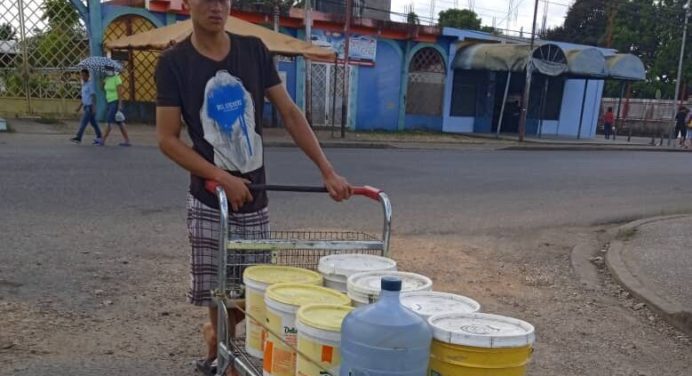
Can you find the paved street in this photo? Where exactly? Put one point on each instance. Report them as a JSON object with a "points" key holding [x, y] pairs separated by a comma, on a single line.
{"points": [[78, 220]]}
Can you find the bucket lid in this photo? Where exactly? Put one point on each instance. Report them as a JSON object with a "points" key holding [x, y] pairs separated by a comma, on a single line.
{"points": [[323, 316], [429, 303], [296, 294], [350, 264], [272, 274], [369, 283], [481, 330]]}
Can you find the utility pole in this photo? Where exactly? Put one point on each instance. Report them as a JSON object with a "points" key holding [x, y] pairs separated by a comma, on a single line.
{"points": [[686, 7], [527, 84], [307, 17], [275, 119], [347, 44]]}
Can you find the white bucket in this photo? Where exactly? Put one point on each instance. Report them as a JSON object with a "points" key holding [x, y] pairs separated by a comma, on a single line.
{"points": [[364, 288], [337, 268], [257, 279], [429, 303], [319, 338], [283, 301]]}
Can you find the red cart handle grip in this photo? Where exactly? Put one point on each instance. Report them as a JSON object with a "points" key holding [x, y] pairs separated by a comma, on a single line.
{"points": [[366, 191]]}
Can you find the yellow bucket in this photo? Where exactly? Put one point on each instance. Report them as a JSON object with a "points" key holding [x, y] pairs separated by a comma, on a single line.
{"points": [[319, 338], [479, 344], [257, 279], [283, 301]]}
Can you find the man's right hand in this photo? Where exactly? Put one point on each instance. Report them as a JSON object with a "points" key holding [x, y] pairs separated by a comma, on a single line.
{"points": [[236, 189]]}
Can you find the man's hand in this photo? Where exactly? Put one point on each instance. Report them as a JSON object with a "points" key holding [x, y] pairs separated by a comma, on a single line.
{"points": [[338, 187], [236, 189]]}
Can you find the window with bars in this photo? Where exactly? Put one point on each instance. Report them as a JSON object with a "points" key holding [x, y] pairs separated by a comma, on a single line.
{"points": [[426, 78]]}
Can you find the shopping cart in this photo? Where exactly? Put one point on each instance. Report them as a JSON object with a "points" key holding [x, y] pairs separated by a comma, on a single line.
{"points": [[294, 248]]}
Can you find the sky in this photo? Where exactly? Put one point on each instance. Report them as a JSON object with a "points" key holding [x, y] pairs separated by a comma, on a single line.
{"points": [[487, 9]]}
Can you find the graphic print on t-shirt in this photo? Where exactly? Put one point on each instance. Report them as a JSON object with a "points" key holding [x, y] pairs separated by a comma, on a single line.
{"points": [[228, 120]]}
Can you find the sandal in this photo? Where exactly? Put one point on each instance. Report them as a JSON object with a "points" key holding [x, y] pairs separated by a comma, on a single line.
{"points": [[206, 366]]}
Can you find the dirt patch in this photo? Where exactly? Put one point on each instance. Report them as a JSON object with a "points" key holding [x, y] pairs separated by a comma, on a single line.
{"points": [[579, 331]]}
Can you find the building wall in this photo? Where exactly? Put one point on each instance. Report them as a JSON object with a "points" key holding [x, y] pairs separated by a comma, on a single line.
{"points": [[379, 89], [568, 124], [377, 9]]}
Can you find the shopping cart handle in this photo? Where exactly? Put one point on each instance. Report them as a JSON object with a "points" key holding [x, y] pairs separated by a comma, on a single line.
{"points": [[366, 191]]}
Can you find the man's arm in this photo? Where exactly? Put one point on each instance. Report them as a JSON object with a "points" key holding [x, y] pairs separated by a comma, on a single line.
{"points": [[299, 129], [168, 126]]}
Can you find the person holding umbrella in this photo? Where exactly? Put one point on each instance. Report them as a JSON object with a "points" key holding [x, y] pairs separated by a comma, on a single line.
{"points": [[88, 103], [113, 86]]}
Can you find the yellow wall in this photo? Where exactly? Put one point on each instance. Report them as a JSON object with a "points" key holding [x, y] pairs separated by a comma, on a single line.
{"points": [[60, 108], [139, 71]]}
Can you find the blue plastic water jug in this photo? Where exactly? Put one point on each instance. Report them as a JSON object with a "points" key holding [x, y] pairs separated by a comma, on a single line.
{"points": [[385, 338]]}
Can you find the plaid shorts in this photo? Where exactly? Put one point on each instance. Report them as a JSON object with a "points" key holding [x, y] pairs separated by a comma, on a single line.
{"points": [[203, 227]]}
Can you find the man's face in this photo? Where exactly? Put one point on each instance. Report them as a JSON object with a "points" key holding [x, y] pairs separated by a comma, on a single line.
{"points": [[85, 76], [210, 15]]}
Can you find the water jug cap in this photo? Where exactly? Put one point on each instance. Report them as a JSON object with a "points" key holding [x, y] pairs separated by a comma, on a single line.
{"points": [[391, 284]]}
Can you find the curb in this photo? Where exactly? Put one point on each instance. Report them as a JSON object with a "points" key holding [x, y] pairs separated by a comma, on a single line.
{"points": [[333, 145], [592, 148], [615, 256]]}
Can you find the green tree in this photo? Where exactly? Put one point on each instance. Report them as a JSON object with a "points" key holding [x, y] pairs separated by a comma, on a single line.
{"points": [[460, 19], [585, 23], [412, 18], [60, 15], [7, 32]]}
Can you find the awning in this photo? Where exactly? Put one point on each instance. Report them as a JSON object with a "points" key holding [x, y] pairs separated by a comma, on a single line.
{"points": [[626, 67], [586, 63], [548, 59], [163, 37]]}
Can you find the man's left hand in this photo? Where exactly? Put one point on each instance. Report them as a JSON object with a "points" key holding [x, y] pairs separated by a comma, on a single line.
{"points": [[338, 187]]}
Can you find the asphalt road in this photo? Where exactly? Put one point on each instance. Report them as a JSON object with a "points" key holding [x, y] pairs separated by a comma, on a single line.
{"points": [[71, 211], [68, 194]]}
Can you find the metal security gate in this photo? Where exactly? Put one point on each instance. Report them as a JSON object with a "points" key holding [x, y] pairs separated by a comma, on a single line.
{"points": [[426, 80], [324, 114], [40, 43]]}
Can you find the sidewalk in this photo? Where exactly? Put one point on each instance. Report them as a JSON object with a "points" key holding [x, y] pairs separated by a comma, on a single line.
{"points": [[142, 134], [653, 259]]}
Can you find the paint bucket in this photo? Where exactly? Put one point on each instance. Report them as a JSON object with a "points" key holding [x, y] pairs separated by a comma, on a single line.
{"points": [[283, 301], [257, 279], [430, 303], [364, 288], [319, 337], [336, 269], [479, 344]]}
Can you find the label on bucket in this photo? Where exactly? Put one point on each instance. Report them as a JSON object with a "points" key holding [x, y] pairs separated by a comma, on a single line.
{"points": [[324, 355], [280, 359]]}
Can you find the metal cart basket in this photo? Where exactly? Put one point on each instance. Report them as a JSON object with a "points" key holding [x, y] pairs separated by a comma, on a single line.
{"points": [[293, 248]]}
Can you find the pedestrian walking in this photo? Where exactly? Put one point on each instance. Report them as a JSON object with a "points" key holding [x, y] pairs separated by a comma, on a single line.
{"points": [[88, 106], [217, 81], [113, 86], [608, 122], [682, 119]]}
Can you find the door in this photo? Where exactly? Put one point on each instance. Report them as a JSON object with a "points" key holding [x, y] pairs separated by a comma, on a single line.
{"points": [[324, 114]]}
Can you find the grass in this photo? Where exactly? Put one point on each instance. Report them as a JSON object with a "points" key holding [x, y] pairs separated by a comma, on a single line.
{"points": [[626, 234]]}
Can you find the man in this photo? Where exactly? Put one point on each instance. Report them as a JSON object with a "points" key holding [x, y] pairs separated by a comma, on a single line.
{"points": [[113, 87], [217, 82], [88, 105], [681, 120]]}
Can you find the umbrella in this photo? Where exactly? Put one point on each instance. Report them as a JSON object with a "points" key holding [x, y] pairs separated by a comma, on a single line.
{"points": [[100, 64]]}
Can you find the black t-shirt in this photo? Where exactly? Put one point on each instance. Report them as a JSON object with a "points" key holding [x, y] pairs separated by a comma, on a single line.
{"points": [[680, 118], [221, 103]]}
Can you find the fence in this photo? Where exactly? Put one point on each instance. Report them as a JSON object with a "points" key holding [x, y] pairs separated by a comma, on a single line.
{"points": [[40, 43], [643, 117]]}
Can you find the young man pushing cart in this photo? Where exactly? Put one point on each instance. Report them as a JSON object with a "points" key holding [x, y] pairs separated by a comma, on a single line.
{"points": [[216, 82]]}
